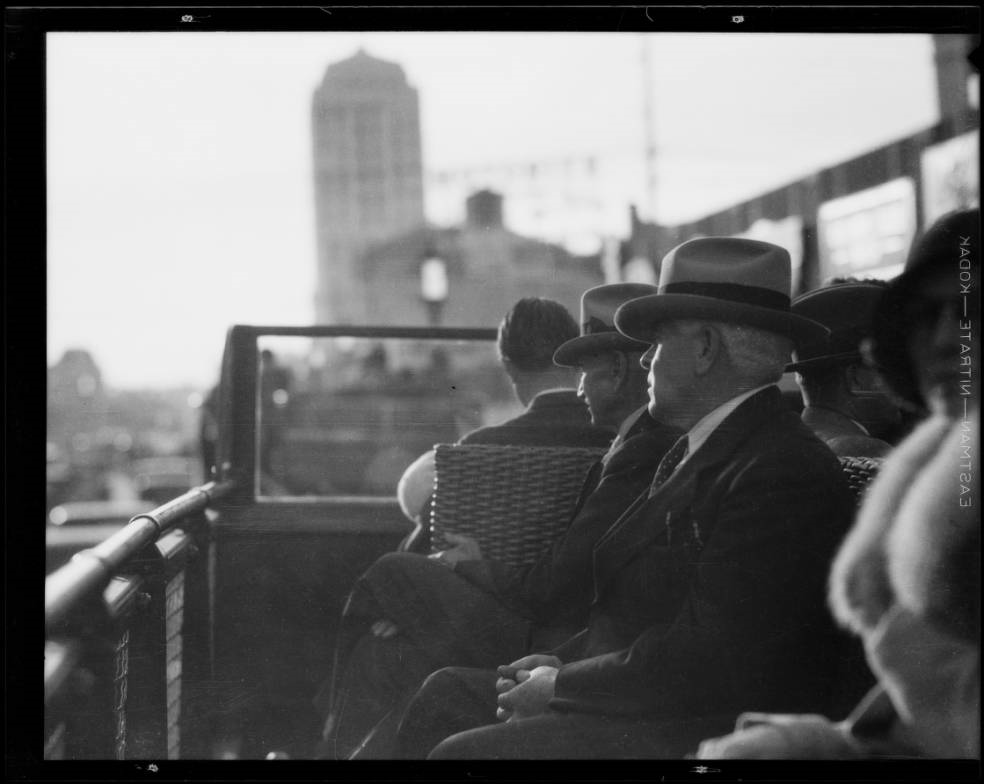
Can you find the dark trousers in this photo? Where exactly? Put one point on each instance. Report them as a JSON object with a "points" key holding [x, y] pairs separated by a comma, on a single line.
{"points": [[442, 619], [452, 716]]}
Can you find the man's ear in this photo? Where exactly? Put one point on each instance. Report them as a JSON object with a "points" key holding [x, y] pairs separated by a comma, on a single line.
{"points": [[707, 346], [620, 366]]}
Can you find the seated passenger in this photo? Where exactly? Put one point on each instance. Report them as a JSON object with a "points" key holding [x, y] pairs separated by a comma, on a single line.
{"points": [[529, 335], [907, 579], [480, 612], [451, 608], [709, 590], [840, 393]]}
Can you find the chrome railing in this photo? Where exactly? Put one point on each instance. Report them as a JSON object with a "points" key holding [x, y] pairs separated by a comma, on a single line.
{"points": [[118, 618]]}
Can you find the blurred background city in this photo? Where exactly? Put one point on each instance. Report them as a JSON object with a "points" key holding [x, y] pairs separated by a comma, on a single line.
{"points": [[434, 179]]}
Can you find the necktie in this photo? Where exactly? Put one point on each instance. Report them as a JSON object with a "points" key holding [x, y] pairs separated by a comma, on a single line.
{"points": [[668, 464]]}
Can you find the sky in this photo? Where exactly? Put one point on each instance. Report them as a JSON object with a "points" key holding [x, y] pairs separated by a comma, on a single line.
{"points": [[180, 191]]}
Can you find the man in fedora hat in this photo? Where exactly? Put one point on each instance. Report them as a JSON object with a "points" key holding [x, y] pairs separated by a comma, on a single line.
{"points": [[840, 392], [709, 590], [907, 577], [417, 615]]}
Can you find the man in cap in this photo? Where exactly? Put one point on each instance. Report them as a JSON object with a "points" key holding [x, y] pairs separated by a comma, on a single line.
{"points": [[421, 615], [709, 590], [840, 392]]}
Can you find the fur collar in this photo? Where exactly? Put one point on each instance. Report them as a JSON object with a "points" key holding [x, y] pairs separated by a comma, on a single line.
{"points": [[912, 543]]}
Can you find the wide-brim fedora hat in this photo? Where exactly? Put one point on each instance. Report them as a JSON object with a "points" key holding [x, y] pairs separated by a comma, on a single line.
{"points": [[730, 279], [598, 333], [951, 245], [847, 310]]}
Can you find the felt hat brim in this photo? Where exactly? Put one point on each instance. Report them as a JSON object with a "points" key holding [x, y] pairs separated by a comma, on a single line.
{"points": [[929, 256], [637, 318], [570, 353], [825, 361]]}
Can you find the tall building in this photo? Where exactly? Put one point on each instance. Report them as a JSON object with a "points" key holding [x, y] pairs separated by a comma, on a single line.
{"points": [[368, 175]]}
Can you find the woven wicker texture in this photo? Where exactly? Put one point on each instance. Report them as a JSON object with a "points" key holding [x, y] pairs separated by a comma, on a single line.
{"points": [[513, 499], [859, 472]]}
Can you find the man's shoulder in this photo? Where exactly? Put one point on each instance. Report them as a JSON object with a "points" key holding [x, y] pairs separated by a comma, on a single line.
{"points": [[554, 419], [784, 451], [490, 435], [784, 435], [517, 432]]}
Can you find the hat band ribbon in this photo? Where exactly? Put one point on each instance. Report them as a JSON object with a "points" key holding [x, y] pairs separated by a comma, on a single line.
{"points": [[818, 353], [733, 292]]}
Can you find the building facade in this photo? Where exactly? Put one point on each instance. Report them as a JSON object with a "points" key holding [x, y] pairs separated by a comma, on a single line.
{"points": [[858, 217], [487, 268]]}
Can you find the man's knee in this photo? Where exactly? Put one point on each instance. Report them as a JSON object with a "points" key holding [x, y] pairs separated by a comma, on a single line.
{"points": [[489, 742], [411, 569], [395, 563], [440, 697], [391, 575], [439, 687], [448, 701], [454, 748]]}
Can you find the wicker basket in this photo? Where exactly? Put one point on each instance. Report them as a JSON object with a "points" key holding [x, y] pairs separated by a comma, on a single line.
{"points": [[859, 472], [513, 499]]}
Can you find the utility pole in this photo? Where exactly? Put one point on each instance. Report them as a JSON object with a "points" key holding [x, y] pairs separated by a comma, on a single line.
{"points": [[649, 141]]}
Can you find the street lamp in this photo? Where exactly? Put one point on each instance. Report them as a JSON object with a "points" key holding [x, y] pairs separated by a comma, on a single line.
{"points": [[434, 287]]}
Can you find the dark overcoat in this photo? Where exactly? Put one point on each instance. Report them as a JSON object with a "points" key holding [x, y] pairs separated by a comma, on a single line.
{"points": [[555, 590], [710, 593], [557, 418]]}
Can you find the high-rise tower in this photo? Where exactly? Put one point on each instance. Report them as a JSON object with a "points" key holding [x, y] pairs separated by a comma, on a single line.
{"points": [[367, 174]]}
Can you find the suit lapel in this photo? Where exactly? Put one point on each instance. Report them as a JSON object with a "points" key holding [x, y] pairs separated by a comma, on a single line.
{"points": [[591, 481], [647, 519]]}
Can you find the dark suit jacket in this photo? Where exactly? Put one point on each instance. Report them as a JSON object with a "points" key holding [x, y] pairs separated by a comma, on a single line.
{"points": [[558, 418], [555, 590], [710, 596]]}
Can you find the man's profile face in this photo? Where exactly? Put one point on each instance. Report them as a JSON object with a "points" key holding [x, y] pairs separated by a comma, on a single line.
{"points": [[598, 388], [934, 344], [670, 360]]}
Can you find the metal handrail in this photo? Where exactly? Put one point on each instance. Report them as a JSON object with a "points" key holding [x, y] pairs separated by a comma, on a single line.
{"points": [[91, 569], [335, 330]]}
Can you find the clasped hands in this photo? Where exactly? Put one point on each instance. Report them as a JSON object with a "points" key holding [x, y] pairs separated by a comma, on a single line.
{"points": [[526, 686], [465, 549]]}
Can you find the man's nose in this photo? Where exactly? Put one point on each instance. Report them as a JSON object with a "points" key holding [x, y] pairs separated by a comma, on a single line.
{"points": [[580, 386], [646, 360]]}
